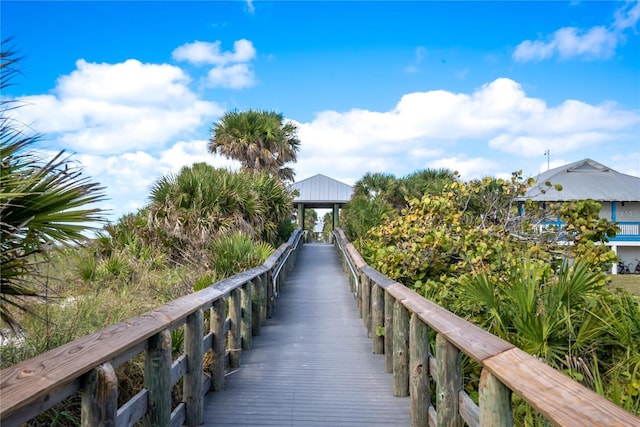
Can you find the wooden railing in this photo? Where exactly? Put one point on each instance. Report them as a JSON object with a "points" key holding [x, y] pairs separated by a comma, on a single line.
{"points": [[405, 318], [238, 306]]}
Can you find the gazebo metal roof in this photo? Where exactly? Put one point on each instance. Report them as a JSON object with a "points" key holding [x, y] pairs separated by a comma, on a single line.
{"points": [[585, 179], [320, 191]]}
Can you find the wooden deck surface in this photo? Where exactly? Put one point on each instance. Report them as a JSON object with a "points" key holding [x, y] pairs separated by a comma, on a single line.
{"points": [[312, 365]]}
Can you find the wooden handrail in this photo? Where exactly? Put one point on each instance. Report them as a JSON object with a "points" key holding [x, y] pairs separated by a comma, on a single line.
{"points": [[505, 368], [29, 388]]}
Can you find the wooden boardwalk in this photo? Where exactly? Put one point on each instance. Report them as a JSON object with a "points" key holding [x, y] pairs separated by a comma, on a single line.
{"points": [[312, 365]]}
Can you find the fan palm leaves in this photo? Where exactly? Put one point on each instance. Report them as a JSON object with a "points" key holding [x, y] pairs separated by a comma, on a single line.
{"points": [[42, 203], [546, 315], [260, 140], [201, 203]]}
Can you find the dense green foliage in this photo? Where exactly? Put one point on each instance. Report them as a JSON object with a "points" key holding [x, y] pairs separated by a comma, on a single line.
{"points": [[378, 196], [480, 250]]}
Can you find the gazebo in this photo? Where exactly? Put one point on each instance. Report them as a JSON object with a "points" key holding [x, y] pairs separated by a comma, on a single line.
{"points": [[320, 192]]}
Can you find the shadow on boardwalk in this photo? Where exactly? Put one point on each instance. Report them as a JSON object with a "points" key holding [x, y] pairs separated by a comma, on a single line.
{"points": [[312, 364]]}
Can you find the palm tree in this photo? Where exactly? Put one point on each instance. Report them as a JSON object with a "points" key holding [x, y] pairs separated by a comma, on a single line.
{"points": [[259, 140], [42, 204], [427, 181]]}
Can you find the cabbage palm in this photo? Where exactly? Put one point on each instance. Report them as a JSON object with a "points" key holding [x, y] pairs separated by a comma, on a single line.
{"points": [[42, 204], [260, 140]]}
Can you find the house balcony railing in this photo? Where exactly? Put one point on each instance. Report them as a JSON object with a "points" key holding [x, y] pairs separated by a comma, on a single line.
{"points": [[629, 230]]}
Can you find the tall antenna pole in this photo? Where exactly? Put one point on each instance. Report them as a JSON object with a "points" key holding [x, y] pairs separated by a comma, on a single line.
{"points": [[548, 154]]}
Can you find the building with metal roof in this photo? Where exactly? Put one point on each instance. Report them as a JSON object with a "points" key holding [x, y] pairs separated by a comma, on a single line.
{"points": [[320, 192], [618, 193], [586, 179]]}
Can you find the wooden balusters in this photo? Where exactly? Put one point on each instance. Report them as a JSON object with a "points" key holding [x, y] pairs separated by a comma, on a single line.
{"points": [[192, 386], [234, 329], [400, 350], [388, 332], [448, 382], [157, 379], [377, 320], [100, 397], [419, 372], [246, 321], [365, 288], [218, 314], [494, 402]]}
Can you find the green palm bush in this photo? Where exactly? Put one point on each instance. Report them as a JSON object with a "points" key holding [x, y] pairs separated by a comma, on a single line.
{"points": [[43, 203], [236, 252]]}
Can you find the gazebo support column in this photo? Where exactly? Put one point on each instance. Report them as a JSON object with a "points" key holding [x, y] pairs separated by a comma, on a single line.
{"points": [[301, 215]]}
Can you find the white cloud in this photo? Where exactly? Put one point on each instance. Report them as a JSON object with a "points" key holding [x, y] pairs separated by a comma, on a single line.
{"points": [[468, 168], [597, 42], [420, 55], [235, 76], [532, 146], [231, 68], [129, 176], [423, 125], [627, 16], [250, 7], [112, 108], [201, 53]]}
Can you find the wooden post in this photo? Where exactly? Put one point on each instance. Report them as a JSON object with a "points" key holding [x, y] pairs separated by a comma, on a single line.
{"points": [[377, 319], [388, 332], [494, 401], [246, 322], [192, 385], [356, 289], [301, 215], [270, 294], [400, 350], [419, 369], [256, 305], [234, 338], [157, 379], [100, 397], [448, 382], [366, 303], [218, 317], [264, 295]]}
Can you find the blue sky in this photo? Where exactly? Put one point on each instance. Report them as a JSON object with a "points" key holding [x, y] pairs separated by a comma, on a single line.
{"points": [[484, 88]]}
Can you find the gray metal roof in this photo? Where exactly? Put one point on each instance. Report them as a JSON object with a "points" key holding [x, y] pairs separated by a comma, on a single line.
{"points": [[321, 191], [586, 179]]}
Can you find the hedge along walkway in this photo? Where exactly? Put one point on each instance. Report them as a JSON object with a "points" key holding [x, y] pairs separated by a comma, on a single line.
{"points": [[312, 365]]}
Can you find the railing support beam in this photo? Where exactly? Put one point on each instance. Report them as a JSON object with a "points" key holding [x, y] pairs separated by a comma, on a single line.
{"points": [[192, 385], [494, 402], [256, 306], [366, 303], [400, 350], [157, 379], [235, 347], [419, 369], [218, 316], [100, 397], [377, 320], [448, 382], [388, 332], [246, 321]]}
